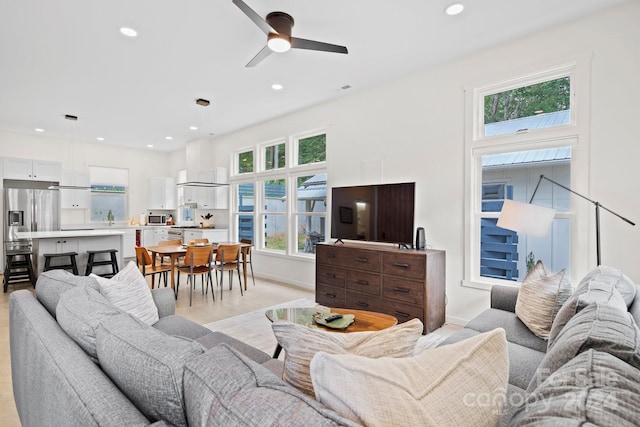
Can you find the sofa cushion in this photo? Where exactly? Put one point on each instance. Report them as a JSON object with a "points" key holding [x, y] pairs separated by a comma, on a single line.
{"points": [[516, 331], [301, 343], [224, 388], [591, 292], [80, 311], [180, 326], [462, 384], [129, 291], [147, 365], [599, 327], [541, 296], [594, 388], [613, 277], [213, 339], [51, 284]]}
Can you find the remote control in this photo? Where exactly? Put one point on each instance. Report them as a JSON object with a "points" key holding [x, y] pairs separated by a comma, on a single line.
{"points": [[333, 317]]}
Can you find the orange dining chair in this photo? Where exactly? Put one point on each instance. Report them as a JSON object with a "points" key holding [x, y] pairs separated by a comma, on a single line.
{"points": [[227, 259], [145, 264], [247, 253], [197, 261]]}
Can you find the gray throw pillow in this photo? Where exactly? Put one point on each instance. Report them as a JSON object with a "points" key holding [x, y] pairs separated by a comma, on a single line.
{"points": [[51, 284], [613, 277], [598, 326], [147, 365], [224, 388], [79, 312], [594, 388]]}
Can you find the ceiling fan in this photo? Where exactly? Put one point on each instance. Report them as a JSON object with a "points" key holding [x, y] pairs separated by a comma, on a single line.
{"points": [[277, 27]]}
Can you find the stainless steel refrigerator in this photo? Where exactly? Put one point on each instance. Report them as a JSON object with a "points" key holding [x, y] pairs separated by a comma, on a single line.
{"points": [[29, 206]]}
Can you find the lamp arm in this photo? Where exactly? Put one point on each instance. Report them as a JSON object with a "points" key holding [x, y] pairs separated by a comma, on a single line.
{"points": [[597, 204]]}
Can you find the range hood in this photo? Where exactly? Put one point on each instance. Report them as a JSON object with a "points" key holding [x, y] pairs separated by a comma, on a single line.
{"points": [[201, 184]]}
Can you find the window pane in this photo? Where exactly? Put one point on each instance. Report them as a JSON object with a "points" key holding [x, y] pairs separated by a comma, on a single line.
{"points": [[246, 202], [275, 232], [506, 254], [245, 162], [105, 202], [274, 157], [311, 230], [537, 106], [311, 193], [275, 191], [312, 149]]}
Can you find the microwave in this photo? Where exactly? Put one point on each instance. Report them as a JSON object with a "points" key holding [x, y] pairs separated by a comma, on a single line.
{"points": [[156, 220]]}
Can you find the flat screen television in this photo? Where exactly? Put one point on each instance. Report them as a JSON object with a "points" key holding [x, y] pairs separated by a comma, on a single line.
{"points": [[374, 213]]}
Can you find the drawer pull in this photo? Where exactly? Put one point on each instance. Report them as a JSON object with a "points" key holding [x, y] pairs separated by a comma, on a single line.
{"points": [[362, 259], [362, 304], [401, 314], [400, 265], [330, 295], [404, 290], [362, 282], [331, 275]]}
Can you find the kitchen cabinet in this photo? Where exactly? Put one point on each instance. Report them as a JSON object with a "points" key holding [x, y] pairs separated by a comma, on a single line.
{"points": [[161, 193], [160, 233], [74, 198], [128, 242], [60, 245], [213, 197], [215, 235], [187, 195], [148, 237], [31, 170]]}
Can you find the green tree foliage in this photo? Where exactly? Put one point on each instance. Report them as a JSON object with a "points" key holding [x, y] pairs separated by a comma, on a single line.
{"points": [[312, 149], [527, 101]]}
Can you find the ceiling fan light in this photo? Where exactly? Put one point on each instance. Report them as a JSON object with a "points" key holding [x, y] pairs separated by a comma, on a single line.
{"points": [[278, 43]]}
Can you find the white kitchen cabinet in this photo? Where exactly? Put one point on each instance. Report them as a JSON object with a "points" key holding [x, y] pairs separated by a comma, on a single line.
{"points": [[128, 242], [161, 193], [148, 237], [59, 246], [187, 195], [214, 197], [160, 233], [32, 170], [74, 198], [215, 235]]}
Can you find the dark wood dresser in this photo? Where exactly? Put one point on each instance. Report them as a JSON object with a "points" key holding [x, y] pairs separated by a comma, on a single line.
{"points": [[404, 283]]}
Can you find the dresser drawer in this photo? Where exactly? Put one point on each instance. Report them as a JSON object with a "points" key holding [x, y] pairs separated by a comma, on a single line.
{"points": [[404, 312], [401, 289], [368, 283], [405, 265], [330, 296], [361, 301], [340, 256], [333, 276]]}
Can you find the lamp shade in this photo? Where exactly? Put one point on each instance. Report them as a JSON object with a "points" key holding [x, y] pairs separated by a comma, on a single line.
{"points": [[526, 218]]}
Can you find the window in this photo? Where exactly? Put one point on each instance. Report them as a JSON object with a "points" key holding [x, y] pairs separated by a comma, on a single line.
{"points": [[108, 194], [522, 128], [282, 206], [245, 162]]}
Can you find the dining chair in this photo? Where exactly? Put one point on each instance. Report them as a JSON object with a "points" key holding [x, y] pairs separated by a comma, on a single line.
{"points": [[145, 264], [247, 253], [197, 261], [227, 259], [203, 240], [172, 242]]}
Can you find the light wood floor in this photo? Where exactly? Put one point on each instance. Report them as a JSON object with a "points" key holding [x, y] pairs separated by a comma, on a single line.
{"points": [[203, 310]]}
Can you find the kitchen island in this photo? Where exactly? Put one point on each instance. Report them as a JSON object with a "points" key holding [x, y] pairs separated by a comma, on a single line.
{"points": [[80, 241]]}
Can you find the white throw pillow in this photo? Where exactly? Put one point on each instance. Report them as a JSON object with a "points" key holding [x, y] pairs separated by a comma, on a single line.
{"points": [[129, 291], [301, 343], [540, 298], [461, 384]]}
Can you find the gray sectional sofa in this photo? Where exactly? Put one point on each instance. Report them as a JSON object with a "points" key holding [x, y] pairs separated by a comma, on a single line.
{"points": [[588, 372]]}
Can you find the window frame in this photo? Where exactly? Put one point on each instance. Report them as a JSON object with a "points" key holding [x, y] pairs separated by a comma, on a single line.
{"points": [[262, 149], [575, 134]]}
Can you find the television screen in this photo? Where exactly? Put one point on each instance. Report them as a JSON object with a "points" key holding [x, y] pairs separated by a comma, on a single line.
{"points": [[375, 213]]}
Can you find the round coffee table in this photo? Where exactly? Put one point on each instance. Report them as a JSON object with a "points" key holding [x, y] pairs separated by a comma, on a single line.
{"points": [[364, 320]]}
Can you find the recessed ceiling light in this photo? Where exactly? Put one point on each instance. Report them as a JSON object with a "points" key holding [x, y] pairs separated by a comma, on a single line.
{"points": [[100, 138], [193, 127], [168, 138], [129, 32], [39, 130], [454, 9], [149, 145], [277, 86]]}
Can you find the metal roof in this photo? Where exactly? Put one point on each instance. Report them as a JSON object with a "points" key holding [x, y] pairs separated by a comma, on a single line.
{"points": [[315, 188], [527, 157], [538, 121]]}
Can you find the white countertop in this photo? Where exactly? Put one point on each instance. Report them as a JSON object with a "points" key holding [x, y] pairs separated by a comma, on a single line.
{"points": [[67, 233]]}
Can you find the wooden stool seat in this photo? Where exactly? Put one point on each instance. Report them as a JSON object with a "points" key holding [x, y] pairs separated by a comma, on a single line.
{"points": [[112, 261], [73, 265], [18, 270]]}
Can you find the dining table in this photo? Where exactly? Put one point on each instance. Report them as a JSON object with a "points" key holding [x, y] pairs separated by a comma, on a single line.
{"points": [[175, 252]]}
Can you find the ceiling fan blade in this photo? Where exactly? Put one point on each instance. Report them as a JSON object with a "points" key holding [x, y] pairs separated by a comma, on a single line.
{"points": [[259, 57], [314, 45], [257, 19]]}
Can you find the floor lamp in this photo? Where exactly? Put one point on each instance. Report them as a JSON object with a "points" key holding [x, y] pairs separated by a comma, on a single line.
{"points": [[536, 220]]}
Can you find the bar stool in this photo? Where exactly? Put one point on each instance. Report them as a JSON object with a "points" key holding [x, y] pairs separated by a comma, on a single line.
{"points": [[18, 270], [112, 261], [73, 266]]}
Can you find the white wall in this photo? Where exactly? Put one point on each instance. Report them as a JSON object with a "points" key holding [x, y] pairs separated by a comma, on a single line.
{"points": [[414, 129]]}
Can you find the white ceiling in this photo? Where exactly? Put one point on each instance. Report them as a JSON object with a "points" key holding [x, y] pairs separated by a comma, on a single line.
{"points": [[68, 57]]}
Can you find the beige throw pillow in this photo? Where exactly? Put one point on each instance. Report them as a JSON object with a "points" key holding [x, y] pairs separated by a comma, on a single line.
{"points": [[540, 298], [301, 343], [461, 384], [128, 290]]}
